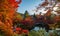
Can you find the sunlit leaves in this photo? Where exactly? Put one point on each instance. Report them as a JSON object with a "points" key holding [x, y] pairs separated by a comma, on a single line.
{"points": [[47, 4], [26, 14], [48, 12], [8, 9], [14, 3], [19, 17]]}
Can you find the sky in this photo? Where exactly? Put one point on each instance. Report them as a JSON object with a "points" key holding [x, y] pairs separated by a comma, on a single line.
{"points": [[29, 5]]}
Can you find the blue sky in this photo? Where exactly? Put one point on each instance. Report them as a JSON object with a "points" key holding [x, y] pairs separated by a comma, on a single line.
{"points": [[28, 5]]}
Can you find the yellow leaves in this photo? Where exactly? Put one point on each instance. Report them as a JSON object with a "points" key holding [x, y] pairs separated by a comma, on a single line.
{"points": [[26, 15], [19, 17]]}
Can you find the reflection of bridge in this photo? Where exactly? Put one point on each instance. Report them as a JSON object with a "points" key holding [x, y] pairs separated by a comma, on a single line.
{"points": [[42, 25], [57, 28]]}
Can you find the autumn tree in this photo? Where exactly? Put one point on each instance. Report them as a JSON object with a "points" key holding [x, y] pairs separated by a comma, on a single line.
{"points": [[50, 6], [7, 12]]}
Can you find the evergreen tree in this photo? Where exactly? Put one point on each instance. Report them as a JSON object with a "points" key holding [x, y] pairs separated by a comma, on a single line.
{"points": [[26, 14], [34, 16]]}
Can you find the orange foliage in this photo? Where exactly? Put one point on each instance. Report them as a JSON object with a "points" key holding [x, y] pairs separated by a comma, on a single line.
{"points": [[30, 21], [14, 3], [9, 9], [48, 13], [45, 3], [57, 18], [6, 28]]}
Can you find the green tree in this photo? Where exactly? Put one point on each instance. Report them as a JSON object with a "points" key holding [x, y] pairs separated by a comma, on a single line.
{"points": [[26, 14]]}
